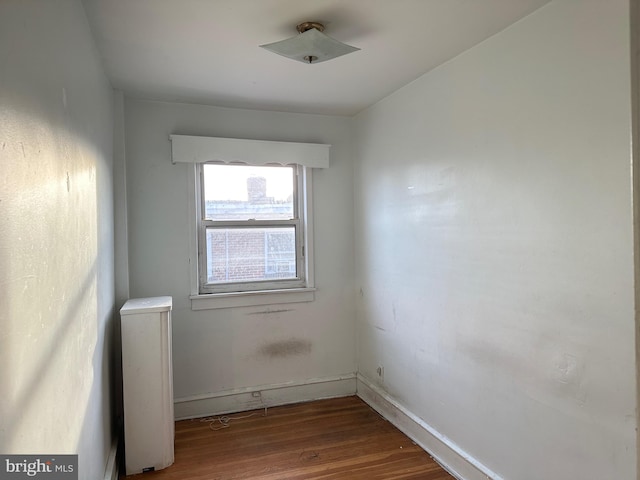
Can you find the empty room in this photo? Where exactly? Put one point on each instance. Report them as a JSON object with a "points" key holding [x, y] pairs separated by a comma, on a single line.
{"points": [[318, 239]]}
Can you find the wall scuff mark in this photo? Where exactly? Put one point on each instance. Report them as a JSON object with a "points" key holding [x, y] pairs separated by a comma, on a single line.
{"points": [[268, 311]]}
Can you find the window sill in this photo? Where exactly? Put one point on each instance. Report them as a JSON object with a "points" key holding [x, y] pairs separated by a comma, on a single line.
{"points": [[250, 299]]}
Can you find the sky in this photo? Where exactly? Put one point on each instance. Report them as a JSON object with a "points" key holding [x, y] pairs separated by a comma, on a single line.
{"points": [[229, 182]]}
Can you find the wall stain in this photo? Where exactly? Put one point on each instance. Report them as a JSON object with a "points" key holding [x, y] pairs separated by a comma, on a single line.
{"points": [[286, 348]]}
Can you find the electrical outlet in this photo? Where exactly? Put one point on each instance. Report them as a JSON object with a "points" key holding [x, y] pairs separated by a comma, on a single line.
{"points": [[256, 394], [380, 372]]}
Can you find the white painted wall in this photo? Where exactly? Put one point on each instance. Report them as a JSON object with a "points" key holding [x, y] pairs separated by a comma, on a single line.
{"points": [[56, 237], [222, 350], [495, 247]]}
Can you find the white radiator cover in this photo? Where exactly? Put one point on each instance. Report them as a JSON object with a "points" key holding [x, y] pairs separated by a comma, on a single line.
{"points": [[147, 379]]}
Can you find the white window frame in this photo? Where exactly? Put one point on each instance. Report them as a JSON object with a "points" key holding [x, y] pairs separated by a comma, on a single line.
{"points": [[255, 293]]}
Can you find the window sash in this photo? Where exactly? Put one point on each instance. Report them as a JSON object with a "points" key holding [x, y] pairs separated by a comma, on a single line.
{"points": [[251, 285], [297, 187]]}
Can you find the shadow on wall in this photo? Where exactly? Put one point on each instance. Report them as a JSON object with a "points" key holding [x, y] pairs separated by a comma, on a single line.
{"points": [[57, 293], [27, 385]]}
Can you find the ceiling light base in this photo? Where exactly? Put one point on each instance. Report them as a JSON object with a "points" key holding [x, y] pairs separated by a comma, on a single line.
{"points": [[304, 26]]}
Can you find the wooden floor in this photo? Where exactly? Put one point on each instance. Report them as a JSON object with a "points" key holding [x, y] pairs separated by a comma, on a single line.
{"points": [[328, 439]]}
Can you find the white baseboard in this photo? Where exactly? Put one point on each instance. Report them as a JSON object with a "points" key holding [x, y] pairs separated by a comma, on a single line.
{"points": [[111, 471], [455, 460], [271, 395]]}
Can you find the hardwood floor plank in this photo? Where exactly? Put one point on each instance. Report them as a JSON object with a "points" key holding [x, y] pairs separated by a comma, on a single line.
{"points": [[332, 439]]}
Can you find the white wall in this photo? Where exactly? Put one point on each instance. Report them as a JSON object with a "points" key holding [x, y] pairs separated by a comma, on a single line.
{"points": [[227, 349], [56, 237], [495, 247]]}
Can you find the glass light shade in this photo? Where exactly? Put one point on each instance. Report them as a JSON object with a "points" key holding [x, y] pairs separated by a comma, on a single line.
{"points": [[311, 46]]}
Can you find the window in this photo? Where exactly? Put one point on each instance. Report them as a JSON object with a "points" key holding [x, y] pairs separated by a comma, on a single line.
{"points": [[250, 228], [250, 218]]}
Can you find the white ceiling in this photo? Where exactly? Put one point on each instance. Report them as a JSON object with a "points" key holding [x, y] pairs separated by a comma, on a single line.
{"points": [[206, 51]]}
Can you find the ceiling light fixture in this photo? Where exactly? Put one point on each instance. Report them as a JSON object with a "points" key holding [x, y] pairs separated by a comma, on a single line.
{"points": [[311, 45]]}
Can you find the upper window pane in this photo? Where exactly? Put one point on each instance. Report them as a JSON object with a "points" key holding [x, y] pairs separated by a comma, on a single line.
{"points": [[242, 192]]}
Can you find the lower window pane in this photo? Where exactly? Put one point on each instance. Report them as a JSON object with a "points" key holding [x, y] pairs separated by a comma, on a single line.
{"points": [[250, 254]]}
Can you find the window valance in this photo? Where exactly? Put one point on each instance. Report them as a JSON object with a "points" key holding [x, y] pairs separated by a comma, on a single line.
{"points": [[195, 149]]}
